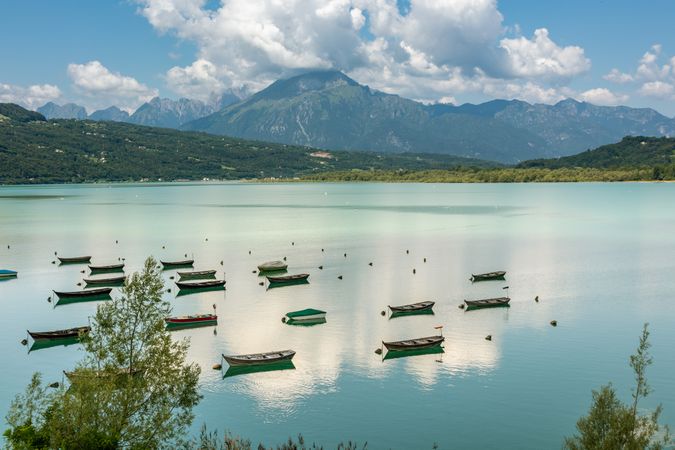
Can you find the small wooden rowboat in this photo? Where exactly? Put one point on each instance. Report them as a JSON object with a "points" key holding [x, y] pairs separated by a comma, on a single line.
{"points": [[272, 266], [183, 263], [85, 293], [200, 284], [412, 344], [413, 307], [4, 273], [105, 281], [189, 320], [59, 334], [487, 303], [499, 275], [306, 315], [197, 275], [288, 278], [259, 358], [74, 259], [108, 268]]}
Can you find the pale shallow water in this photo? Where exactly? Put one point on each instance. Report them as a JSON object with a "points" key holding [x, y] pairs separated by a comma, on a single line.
{"points": [[600, 257]]}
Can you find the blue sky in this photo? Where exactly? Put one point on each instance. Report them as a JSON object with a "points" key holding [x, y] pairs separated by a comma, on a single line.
{"points": [[123, 52]]}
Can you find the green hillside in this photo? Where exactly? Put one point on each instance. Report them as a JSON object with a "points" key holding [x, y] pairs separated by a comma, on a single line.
{"points": [[632, 151], [33, 150]]}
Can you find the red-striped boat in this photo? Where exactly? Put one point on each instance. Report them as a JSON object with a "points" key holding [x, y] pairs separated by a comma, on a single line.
{"points": [[189, 320]]}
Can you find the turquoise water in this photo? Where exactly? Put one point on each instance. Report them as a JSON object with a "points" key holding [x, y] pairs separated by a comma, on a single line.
{"points": [[599, 256]]}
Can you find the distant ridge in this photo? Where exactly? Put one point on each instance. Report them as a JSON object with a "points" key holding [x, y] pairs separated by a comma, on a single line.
{"points": [[327, 109]]}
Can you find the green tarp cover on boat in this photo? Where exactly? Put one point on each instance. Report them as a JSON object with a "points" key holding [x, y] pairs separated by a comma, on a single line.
{"points": [[305, 312]]}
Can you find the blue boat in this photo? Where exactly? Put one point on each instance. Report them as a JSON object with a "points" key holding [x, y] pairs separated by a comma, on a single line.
{"points": [[8, 273]]}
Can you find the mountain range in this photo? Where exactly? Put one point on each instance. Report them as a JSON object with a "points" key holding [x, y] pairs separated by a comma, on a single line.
{"points": [[329, 110], [158, 112]]}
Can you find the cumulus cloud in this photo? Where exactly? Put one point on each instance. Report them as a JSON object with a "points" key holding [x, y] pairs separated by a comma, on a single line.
{"points": [[31, 97], [433, 49], [657, 89], [541, 57], [103, 87], [603, 97], [653, 77]]}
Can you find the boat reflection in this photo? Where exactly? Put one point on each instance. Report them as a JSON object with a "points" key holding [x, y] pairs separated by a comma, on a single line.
{"points": [[425, 312], [191, 291], [406, 353], [286, 283], [85, 299], [306, 323], [185, 326], [49, 343], [234, 371]]}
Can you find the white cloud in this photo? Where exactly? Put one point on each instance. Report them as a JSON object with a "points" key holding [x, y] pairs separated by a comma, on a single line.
{"points": [[437, 48], [541, 57], [198, 80], [603, 97], [616, 76], [31, 97], [101, 87], [658, 89]]}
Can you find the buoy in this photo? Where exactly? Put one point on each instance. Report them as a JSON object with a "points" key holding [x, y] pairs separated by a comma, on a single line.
{"points": [[54, 385], [53, 262], [488, 337], [425, 260], [378, 351], [81, 271], [261, 283], [24, 341], [207, 239], [339, 277], [221, 262], [284, 258], [345, 255], [186, 255], [292, 243], [124, 259], [217, 366], [116, 241], [249, 252], [383, 313], [79, 284], [554, 323], [414, 271], [253, 271], [536, 299], [283, 319], [171, 277], [321, 249], [54, 253], [163, 246], [407, 252], [320, 267], [370, 264], [168, 290], [461, 306]]}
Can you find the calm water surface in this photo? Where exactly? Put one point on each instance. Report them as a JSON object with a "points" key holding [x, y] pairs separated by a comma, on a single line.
{"points": [[599, 256]]}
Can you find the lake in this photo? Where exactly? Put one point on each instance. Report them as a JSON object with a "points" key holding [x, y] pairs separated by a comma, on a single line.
{"points": [[599, 256]]}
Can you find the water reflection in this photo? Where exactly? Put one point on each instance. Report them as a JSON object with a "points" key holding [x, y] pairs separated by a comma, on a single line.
{"points": [[418, 352], [234, 371]]}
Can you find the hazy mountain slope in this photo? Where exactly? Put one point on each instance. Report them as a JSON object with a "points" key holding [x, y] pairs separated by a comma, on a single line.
{"points": [[68, 111], [330, 110], [113, 113]]}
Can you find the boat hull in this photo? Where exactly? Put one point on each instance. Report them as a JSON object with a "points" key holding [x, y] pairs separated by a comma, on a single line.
{"points": [[272, 266], [105, 281], [289, 279], [84, 294], [414, 344], [488, 276], [58, 334], [184, 263], [259, 359], [74, 260], [200, 284], [487, 303], [190, 320], [107, 269], [199, 275], [8, 274], [412, 308]]}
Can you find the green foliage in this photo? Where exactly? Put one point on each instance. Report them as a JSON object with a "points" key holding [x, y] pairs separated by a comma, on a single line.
{"points": [[133, 389], [611, 424], [76, 151], [632, 151], [494, 175], [14, 112], [209, 440]]}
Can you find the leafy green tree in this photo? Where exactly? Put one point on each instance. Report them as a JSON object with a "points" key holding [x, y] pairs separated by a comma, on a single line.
{"points": [[133, 389], [612, 424]]}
